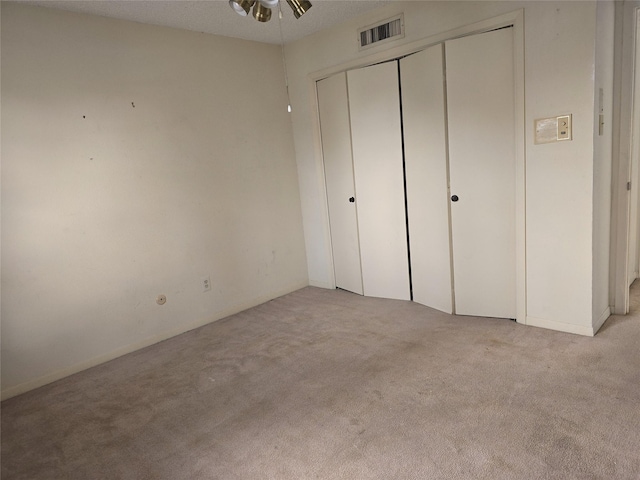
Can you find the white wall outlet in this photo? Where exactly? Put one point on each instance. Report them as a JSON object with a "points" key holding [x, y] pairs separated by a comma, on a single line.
{"points": [[206, 284]]}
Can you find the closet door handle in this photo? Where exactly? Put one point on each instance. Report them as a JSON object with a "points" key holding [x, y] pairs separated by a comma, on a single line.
{"points": [[454, 198], [352, 199]]}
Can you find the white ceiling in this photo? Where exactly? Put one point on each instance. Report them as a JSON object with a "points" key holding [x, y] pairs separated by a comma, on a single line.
{"points": [[217, 17]]}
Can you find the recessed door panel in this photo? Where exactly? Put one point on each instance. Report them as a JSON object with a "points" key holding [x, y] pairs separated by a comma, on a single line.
{"points": [[338, 168], [374, 105], [481, 121]]}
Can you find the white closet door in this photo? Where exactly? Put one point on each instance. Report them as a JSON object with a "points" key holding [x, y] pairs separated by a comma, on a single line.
{"points": [[338, 168], [374, 104], [425, 146], [481, 114]]}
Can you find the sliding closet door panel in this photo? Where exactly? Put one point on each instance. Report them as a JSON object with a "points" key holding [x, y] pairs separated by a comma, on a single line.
{"points": [[481, 113], [425, 147], [377, 159], [338, 169]]}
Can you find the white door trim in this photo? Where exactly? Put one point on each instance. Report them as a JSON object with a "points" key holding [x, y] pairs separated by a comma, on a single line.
{"points": [[625, 71]]}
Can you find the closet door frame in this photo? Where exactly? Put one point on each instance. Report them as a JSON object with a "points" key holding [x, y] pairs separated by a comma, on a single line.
{"points": [[515, 19]]}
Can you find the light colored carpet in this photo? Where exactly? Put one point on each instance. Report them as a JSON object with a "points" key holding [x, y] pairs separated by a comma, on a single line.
{"points": [[323, 384]]}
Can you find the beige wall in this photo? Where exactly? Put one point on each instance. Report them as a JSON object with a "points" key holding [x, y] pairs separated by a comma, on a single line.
{"points": [[136, 160], [560, 45]]}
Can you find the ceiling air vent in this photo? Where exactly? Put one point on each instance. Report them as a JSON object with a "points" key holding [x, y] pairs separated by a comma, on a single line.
{"points": [[392, 28]]}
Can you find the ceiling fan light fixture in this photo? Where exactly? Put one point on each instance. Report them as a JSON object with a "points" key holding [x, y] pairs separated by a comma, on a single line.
{"points": [[269, 3], [261, 13], [299, 7], [241, 7]]}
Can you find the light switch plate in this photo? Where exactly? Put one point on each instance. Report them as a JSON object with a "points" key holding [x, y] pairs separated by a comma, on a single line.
{"points": [[553, 129], [564, 127]]}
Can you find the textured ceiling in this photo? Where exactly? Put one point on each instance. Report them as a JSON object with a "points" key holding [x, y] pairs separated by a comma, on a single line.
{"points": [[215, 16]]}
